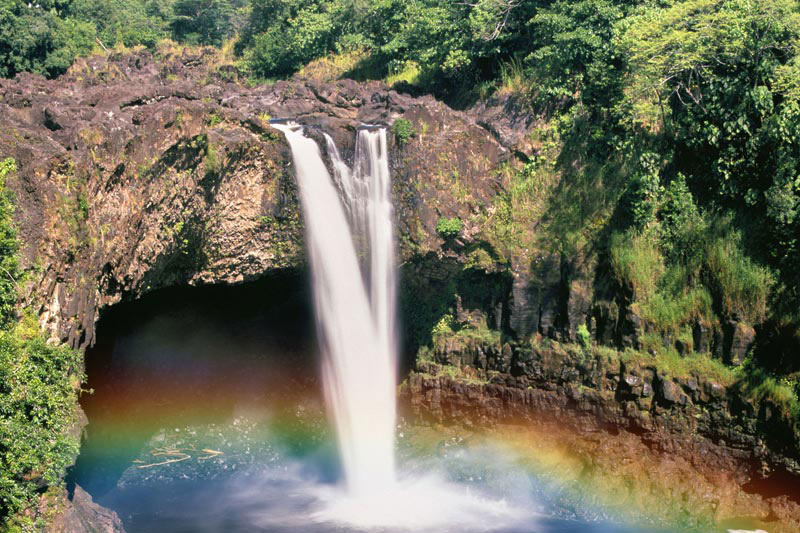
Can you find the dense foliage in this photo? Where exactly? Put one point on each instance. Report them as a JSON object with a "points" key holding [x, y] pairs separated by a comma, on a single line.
{"points": [[688, 111], [46, 36], [672, 126], [38, 385]]}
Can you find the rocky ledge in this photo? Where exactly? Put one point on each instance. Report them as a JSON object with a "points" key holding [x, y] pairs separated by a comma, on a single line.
{"points": [[713, 425], [137, 173]]}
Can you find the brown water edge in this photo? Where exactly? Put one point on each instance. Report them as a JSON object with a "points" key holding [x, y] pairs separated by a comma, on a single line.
{"points": [[680, 482]]}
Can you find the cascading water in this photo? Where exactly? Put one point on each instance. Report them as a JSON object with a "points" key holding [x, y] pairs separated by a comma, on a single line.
{"points": [[355, 300], [266, 468], [355, 321]]}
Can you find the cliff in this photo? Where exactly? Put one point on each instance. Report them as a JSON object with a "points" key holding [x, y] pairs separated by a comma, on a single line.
{"points": [[139, 173]]}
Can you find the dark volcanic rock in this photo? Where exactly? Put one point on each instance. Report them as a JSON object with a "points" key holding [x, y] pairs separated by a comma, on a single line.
{"points": [[80, 515], [136, 174], [739, 338], [695, 417]]}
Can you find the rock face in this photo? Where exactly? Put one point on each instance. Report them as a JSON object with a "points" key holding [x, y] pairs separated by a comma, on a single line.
{"points": [[136, 174], [80, 515], [713, 426]]}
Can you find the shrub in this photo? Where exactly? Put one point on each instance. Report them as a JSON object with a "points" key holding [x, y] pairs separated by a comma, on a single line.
{"points": [[37, 410], [449, 228], [444, 326], [212, 161], [9, 246], [83, 206], [213, 119], [665, 295], [37, 387], [584, 337], [403, 131], [682, 228], [640, 201]]}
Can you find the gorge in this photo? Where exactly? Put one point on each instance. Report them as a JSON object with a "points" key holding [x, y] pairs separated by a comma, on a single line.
{"points": [[137, 178]]}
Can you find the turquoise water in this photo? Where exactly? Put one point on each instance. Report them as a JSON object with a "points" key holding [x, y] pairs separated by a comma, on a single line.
{"points": [[280, 476]]}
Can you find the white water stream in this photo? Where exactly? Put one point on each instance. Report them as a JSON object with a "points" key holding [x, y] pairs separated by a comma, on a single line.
{"points": [[355, 321], [350, 241]]}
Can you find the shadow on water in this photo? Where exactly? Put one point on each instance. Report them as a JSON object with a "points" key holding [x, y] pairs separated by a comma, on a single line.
{"points": [[192, 355]]}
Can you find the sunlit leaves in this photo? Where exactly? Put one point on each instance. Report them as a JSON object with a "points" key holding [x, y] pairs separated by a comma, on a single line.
{"points": [[675, 51]]}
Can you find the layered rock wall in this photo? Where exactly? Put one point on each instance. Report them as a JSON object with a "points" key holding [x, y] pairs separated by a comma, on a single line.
{"points": [[136, 174]]}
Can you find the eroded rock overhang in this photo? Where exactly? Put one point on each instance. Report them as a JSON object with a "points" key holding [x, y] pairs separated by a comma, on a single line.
{"points": [[136, 175]]}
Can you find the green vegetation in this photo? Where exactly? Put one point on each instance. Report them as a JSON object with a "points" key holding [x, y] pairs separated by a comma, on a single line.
{"points": [[37, 411], [444, 326], [38, 390], [403, 131], [665, 146], [214, 119], [46, 36], [761, 386], [9, 264], [584, 337], [681, 367], [212, 161], [449, 228]]}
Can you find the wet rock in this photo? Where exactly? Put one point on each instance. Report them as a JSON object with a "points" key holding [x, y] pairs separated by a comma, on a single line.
{"points": [[79, 515]]}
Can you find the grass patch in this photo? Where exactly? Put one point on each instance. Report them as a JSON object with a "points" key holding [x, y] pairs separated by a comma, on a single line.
{"points": [[405, 71], [213, 119], [482, 335], [212, 161], [761, 386], [333, 66], [446, 328], [715, 281], [667, 360], [513, 78], [637, 262], [670, 312], [513, 221], [465, 375], [742, 286], [681, 367]]}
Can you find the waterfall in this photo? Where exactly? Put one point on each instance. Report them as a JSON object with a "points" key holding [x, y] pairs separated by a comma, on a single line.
{"points": [[354, 299], [350, 241]]}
